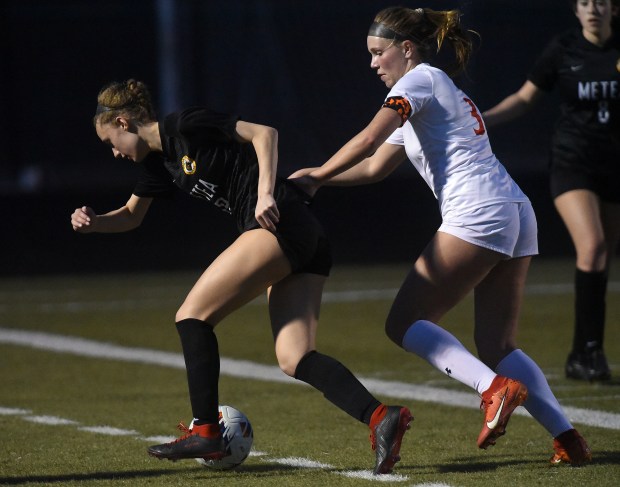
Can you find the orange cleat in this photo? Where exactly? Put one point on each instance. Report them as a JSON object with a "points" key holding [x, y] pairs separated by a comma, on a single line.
{"points": [[570, 447], [498, 403]]}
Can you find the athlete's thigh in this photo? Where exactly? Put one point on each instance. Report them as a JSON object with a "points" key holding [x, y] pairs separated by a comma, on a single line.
{"points": [[497, 303], [294, 306], [446, 271], [240, 273]]}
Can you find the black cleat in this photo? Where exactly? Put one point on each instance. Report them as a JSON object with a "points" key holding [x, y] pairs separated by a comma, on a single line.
{"points": [[590, 365], [190, 445], [386, 434]]}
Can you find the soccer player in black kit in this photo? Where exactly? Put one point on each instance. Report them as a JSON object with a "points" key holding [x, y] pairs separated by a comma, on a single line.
{"points": [[281, 249], [584, 65]]}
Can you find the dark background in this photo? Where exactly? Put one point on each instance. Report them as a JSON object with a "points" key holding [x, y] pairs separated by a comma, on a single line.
{"points": [[298, 65]]}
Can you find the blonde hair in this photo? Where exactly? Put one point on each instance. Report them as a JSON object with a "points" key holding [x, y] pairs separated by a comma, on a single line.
{"points": [[428, 29], [129, 98]]}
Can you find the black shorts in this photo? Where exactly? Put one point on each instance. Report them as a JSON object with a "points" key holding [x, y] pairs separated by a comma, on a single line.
{"points": [[301, 238], [563, 179]]}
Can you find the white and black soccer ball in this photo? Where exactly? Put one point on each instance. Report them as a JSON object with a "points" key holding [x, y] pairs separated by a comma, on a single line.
{"points": [[238, 438]]}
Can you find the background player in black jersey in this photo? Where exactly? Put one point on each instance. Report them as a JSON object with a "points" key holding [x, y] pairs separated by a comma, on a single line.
{"points": [[281, 249], [584, 64]]}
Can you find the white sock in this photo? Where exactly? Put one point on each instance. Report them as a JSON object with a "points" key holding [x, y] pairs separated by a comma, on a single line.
{"points": [[541, 403], [444, 352]]}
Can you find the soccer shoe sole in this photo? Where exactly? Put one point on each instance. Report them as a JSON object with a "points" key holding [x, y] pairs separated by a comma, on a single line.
{"points": [[571, 448], [179, 456], [563, 458], [191, 447]]}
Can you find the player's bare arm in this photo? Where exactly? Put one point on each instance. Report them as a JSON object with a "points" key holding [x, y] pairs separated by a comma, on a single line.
{"points": [[513, 106], [361, 146], [265, 142], [123, 219], [372, 169]]}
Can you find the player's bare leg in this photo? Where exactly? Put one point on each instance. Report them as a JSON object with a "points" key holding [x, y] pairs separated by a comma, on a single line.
{"points": [[243, 271], [447, 270], [239, 274], [294, 305], [583, 214]]}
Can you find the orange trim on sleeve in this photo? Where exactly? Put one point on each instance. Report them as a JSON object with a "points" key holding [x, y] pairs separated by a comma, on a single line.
{"points": [[401, 105]]}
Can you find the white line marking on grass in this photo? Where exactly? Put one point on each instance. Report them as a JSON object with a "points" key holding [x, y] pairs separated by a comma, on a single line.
{"points": [[49, 420], [13, 411], [368, 475], [108, 430], [299, 462], [250, 370], [257, 453], [158, 439]]}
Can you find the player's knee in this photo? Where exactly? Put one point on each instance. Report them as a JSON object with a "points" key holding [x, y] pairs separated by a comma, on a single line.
{"points": [[288, 364], [185, 312], [400, 319], [395, 330], [592, 256]]}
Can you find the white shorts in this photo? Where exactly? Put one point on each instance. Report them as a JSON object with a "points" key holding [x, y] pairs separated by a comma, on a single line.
{"points": [[509, 228]]}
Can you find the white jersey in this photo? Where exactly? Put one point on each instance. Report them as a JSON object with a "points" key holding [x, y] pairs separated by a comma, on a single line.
{"points": [[446, 141]]}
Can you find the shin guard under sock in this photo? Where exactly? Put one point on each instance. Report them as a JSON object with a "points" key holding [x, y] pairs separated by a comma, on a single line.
{"points": [[337, 384], [202, 363], [446, 353], [541, 403]]}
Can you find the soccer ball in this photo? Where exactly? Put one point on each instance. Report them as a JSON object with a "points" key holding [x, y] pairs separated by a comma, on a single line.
{"points": [[238, 438]]}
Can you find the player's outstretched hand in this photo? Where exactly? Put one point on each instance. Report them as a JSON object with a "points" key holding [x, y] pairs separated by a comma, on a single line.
{"points": [[82, 219], [267, 213], [306, 183], [302, 172]]}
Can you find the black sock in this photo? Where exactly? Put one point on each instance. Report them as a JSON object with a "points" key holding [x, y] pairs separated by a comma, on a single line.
{"points": [[590, 290], [202, 362], [337, 384]]}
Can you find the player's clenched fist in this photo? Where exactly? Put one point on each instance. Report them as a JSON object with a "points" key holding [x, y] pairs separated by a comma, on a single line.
{"points": [[82, 219]]}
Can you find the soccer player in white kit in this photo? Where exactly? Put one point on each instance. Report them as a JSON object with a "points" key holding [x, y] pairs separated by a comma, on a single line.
{"points": [[488, 232]]}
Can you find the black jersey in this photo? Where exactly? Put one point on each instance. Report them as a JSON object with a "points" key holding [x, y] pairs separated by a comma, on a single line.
{"points": [[587, 76], [202, 157]]}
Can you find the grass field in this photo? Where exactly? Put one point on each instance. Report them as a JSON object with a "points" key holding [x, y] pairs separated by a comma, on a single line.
{"points": [[69, 418]]}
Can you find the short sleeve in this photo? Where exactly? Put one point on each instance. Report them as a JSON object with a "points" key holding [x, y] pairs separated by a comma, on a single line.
{"points": [[396, 138], [544, 73], [410, 94], [154, 180], [206, 124]]}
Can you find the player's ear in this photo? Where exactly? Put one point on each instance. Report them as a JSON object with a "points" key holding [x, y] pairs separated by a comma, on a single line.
{"points": [[122, 122], [408, 48]]}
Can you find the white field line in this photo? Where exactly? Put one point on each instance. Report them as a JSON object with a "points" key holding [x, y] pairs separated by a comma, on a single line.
{"points": [[245, 369], [137, 302]]}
